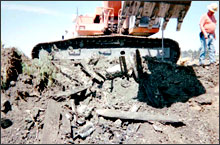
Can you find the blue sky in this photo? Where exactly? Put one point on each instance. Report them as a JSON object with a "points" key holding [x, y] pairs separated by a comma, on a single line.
{"points": [[27, 23]]}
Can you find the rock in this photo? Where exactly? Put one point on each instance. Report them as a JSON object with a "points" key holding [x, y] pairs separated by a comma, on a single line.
{"points": [[5, 123], [101, 121], [117, 123], [12, 83], [7, 107], [87, 130]]}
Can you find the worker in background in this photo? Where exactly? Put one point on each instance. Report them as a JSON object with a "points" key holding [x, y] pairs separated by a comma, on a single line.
{"points": [[207, 34]]}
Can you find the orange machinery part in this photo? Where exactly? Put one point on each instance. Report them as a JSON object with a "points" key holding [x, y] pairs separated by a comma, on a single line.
{"points": [[86, 26], [143, 31], [116, 5]]}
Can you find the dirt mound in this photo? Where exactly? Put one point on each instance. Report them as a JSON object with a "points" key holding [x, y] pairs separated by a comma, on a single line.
{"points": [[166, 83], [93, 101], [11, 66]]}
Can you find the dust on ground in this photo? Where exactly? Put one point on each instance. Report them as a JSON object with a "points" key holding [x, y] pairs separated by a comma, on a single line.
{"points": [[90, 101]]}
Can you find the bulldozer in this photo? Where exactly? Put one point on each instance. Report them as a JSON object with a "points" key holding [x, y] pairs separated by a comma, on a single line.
{"points": [[121, 27]]}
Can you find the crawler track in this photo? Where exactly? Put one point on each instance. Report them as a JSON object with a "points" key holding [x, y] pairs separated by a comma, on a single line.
{"points": [[103, 42]]}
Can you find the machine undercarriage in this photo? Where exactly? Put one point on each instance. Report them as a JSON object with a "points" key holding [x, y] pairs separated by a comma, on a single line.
{"points": [[109, 46]]}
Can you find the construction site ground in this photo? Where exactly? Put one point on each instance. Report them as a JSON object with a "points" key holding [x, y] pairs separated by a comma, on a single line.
{"points": [[87, 101]]}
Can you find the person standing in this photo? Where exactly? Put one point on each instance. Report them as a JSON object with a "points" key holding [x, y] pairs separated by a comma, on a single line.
{"points": [[207, 34]]}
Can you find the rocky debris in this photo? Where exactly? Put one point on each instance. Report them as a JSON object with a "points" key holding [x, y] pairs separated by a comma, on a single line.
{"points": [[112, 100]]}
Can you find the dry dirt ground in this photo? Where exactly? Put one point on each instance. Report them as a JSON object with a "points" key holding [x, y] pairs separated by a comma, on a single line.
{"points": [[83, 101]]}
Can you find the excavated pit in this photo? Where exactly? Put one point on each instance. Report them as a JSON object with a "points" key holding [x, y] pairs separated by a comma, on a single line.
{"points": [[69, 109]]}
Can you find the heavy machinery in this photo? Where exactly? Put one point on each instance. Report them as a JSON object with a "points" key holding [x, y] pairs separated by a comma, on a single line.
{"points": [[121, 27]]}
